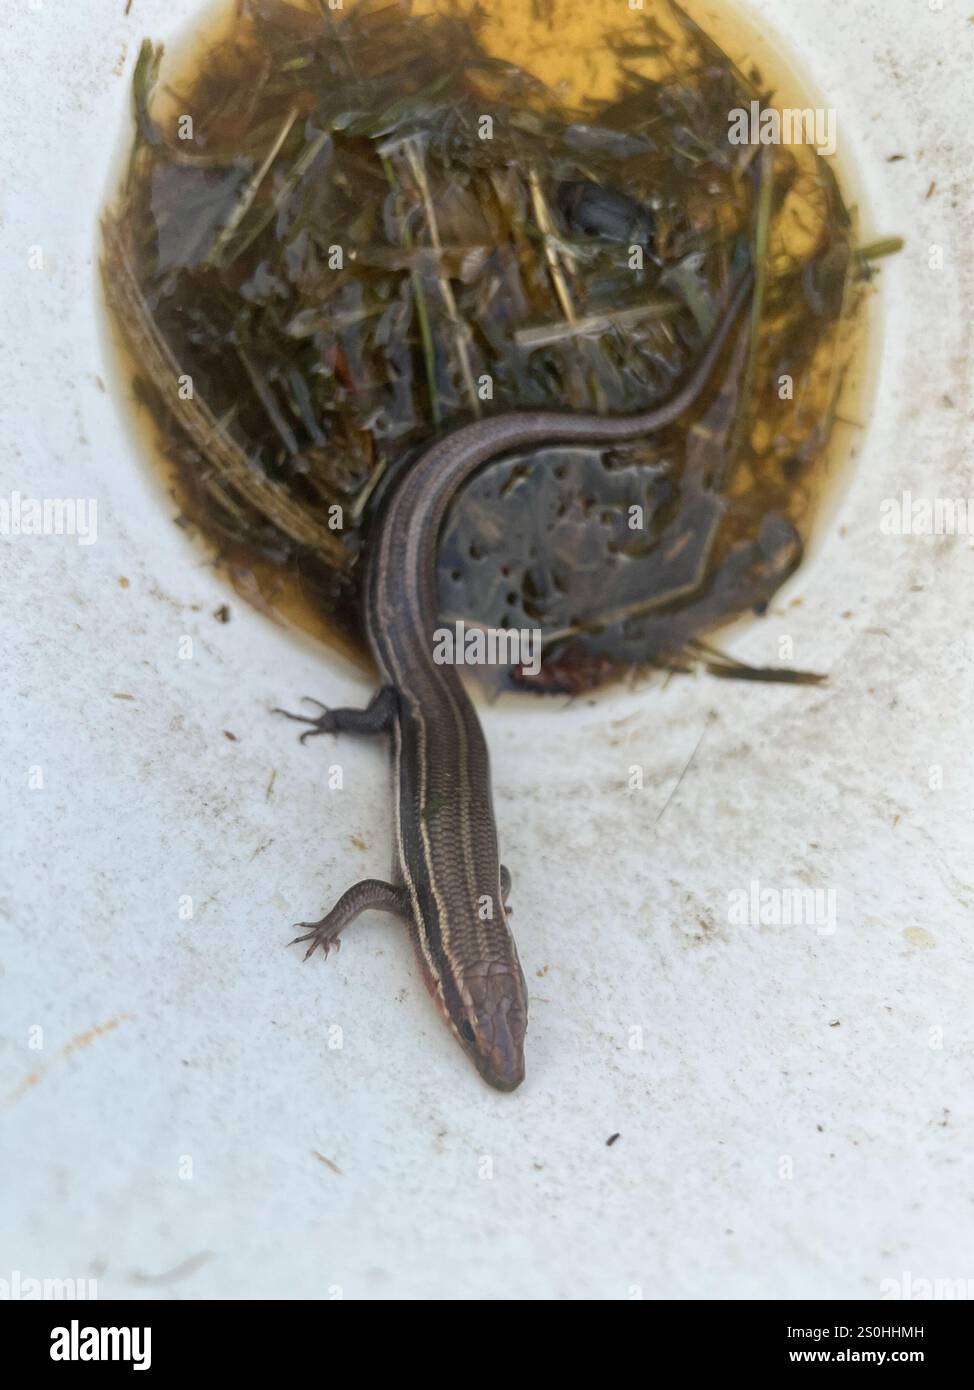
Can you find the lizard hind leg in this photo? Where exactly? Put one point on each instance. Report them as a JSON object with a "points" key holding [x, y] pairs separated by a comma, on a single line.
{"points": [[376, 718], [371, 893]]}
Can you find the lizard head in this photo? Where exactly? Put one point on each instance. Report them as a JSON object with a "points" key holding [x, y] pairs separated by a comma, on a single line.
{"points": [[491, 1022]]}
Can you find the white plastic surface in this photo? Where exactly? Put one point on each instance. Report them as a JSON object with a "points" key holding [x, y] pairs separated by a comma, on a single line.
{"points": [[798, 1118]]}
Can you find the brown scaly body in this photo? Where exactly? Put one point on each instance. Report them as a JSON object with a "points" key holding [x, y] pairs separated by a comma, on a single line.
{"points": [[452, 886]]}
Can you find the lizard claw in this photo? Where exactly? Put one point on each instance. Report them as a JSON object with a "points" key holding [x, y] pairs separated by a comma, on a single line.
{"points": [[322, 724], [323, 934]]}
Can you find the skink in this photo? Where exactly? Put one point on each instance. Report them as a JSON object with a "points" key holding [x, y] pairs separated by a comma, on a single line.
{"points": [[451, 888]]}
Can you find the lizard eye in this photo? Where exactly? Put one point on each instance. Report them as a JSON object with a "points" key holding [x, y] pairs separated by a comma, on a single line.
{"points": [[466, 1031]]}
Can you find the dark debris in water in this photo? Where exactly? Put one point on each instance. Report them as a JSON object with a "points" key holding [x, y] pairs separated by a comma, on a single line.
{"points": [[340, 260]]}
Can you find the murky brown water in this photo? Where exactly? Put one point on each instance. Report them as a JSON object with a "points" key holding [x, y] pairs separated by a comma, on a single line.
{"points": [[337, 261]]}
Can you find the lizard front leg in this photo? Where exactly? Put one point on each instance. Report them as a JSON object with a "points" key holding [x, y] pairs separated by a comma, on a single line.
{"points": [[506, 888], [371, 893]]}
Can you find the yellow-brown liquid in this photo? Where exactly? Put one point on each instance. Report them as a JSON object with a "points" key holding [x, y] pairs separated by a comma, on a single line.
{"points": [[563, 44]]}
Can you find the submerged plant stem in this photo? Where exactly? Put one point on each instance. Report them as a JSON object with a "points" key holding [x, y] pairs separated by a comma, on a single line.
{"points": [[224, 455], [422, 312], [250, 192], [460, 332]]}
